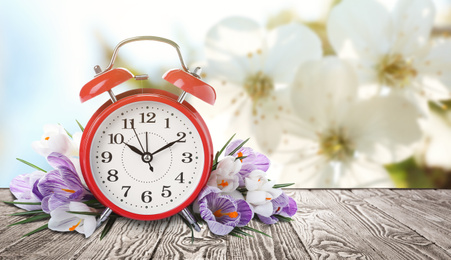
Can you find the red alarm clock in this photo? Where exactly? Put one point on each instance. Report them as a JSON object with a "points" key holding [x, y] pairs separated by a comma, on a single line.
{"points": [[146, 154]]}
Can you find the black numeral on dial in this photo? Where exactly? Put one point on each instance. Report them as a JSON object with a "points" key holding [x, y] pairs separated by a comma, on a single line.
{"points": [[166, 193], [116, 139], [148, 118], [145, 197], [112, 175], [180, 178], [128, 123], [107, 157], [188, 157], [127, 188]]}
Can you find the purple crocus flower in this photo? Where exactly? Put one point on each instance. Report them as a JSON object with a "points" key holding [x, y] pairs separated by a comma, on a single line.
{"points": [[282, 205], [22, 188], [222, 212], [253, 161], [62, 185]]}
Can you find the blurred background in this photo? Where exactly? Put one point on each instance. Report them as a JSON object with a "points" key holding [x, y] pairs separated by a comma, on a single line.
{"points": [[48, 50]]}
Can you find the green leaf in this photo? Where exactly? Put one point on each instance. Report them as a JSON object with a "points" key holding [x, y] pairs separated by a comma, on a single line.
{"points": [[215, 161], [108, 226], [31, 165], [31, 212], [23, 203], [240, 158], [89, 213], [283, 219], [191, 227], [224, 147], [283, 185], [239, 147], [255, 230], [67, 132], [79, 125], [241, 232], [235, 234], [37, 230], [31, 219]]}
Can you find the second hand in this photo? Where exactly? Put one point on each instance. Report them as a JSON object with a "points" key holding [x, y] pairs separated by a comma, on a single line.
{"points": [[134, 130]]}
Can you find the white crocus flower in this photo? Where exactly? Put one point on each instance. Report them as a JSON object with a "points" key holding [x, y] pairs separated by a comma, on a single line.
{"points": [[225, 176], [261, 192], [345, 140], [392, 49], [56, 139], [61, 220], [249, 68]]}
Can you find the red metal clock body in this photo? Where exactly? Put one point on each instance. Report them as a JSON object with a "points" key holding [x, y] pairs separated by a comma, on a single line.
{"points": [[146, 154]]}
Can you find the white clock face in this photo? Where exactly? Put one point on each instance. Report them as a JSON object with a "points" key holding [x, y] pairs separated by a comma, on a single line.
{"points": [[147, 157]]}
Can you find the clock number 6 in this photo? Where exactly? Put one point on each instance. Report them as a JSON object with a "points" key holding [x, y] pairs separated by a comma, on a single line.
{"points": [[165, 193], [145, 197]]}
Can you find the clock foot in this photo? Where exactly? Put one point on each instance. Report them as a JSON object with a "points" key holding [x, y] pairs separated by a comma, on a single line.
{"points": [[105, 214], [186, 214]]}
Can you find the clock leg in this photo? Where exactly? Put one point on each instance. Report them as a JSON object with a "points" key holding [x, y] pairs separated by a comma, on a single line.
{"points": [[105, 214], [186, 214]]}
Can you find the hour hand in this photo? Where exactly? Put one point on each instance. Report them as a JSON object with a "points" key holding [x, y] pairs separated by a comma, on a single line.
{"points": [[134, 149]]}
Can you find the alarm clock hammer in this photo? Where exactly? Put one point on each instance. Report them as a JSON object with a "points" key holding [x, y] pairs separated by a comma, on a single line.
{"points": [[119, 132]]}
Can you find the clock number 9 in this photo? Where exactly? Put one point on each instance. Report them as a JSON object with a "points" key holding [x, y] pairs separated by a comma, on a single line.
{"points": [[107, 157], [145, 197], [112, 175], [188, 157]]}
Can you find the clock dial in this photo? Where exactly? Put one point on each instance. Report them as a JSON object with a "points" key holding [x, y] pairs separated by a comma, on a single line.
{"points": [[147, 157]]}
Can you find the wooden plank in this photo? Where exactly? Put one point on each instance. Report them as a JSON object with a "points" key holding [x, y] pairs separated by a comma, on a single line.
{"points": [[393, 239], [127, 239], [176, 243], [416, 216], [325, 235]]}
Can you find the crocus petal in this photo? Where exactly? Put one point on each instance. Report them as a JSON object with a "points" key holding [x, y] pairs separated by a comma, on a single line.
{"points": [[57, 160], [268, 220], [256, 197], [246, 213], [264, 209], [22, 188], [413, 20], [218, 228], [51, 183]]}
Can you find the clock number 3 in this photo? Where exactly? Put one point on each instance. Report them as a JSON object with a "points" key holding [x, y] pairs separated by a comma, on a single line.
{"points": [[188, 157]]}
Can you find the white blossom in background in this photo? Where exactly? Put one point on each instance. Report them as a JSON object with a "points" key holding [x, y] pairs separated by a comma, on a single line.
{"points": [[345, 141], [393, 49], [433, 151], [250, 67]]}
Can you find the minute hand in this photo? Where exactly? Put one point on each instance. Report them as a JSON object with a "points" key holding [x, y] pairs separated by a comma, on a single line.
{"points": [[164, 147]]}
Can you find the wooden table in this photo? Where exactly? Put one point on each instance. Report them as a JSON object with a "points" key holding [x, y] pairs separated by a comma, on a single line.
{"points": [[330, 224]]}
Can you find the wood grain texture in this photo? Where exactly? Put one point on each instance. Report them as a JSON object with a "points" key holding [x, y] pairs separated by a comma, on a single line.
{"points": [[329, 224], [420, 216], [391, 237]]}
